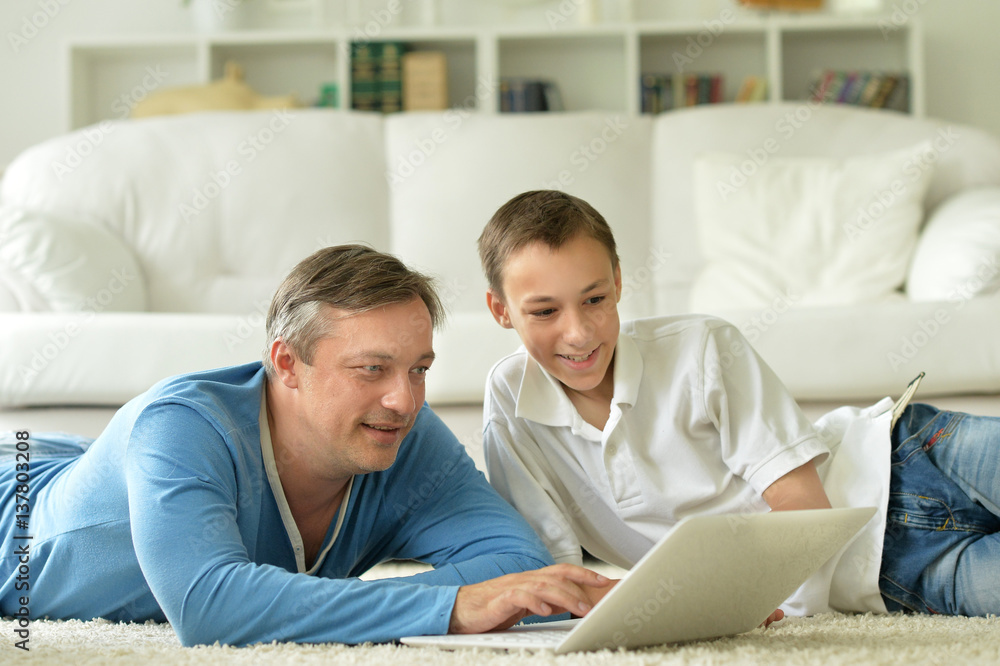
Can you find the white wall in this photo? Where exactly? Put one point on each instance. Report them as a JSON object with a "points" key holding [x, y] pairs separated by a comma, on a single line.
{"points": [[962, 47]]}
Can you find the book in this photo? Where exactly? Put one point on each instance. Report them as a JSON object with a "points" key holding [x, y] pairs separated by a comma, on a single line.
{"points": [[899, 97], [650, 94], [364, 83], [888, 83], [871, 89], [390, 77], [527, 95], [425, 81]]}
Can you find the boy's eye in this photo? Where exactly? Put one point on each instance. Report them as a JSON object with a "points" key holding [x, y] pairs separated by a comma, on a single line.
{"points": [[422, 370], [543, 313], [594, 300], [371, 368]]}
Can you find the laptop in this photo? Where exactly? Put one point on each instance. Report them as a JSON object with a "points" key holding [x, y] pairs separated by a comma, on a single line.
{"points": [[709, 576]]}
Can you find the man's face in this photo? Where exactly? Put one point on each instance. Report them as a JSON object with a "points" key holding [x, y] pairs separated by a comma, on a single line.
{"points": [[361, 394], [563, 303]]}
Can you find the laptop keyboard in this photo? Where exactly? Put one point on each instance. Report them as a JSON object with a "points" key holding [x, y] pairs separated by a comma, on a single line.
{"points": [[534, 637]]}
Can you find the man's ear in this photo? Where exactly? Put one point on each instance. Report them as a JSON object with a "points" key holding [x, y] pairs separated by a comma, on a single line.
{"points": [[618, 283], [285, 363], [498, 308]]}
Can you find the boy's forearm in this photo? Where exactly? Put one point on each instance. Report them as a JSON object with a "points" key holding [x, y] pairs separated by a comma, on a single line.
{"points": [[799, 489]]}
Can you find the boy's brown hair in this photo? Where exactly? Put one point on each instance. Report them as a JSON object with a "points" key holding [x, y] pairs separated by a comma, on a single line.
{"points": [[547, 216]]}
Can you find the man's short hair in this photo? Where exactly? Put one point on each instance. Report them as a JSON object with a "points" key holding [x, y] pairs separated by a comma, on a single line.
{"points": [[355, 278], [547, 216]]}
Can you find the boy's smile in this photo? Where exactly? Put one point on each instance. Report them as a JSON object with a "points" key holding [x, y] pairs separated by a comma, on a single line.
{"points": [[563, 303]]}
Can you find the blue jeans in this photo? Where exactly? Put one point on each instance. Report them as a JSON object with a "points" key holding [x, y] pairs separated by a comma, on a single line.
{"points": [[942, 538]]}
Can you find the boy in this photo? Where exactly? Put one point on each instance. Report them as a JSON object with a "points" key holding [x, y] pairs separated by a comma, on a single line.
{"points": [[603, 436]]}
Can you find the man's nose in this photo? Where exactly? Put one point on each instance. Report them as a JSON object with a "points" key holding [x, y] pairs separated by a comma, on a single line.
{"points": [[399, 396]]}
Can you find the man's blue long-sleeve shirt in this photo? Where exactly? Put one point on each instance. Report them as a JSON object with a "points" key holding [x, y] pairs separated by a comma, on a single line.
{"points": [[170, 514]]}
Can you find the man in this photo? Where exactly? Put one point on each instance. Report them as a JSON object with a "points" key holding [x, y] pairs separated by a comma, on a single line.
{"points": [[241, 503]]}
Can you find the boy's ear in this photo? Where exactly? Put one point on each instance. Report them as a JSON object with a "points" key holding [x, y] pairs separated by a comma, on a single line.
{"points": [[498, 308], [618, 283]]}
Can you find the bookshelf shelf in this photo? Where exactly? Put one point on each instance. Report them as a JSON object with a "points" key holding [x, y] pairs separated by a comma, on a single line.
{"points": [[594, 66]]}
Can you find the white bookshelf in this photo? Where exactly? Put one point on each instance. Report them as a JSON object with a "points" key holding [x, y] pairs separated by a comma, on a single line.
{"points": [[595, 66]]}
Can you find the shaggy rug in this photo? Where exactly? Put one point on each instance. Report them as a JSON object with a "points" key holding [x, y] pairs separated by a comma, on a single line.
{"points": [[829, 639]]}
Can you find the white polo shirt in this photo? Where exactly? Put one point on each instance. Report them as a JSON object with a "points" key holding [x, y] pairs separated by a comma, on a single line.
{"points": [[698, 424]]}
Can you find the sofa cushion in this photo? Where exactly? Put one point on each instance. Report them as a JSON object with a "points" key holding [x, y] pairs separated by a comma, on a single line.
{"points": [[814, 231], [450, 172], [48, 263], [958, 255], [217, 207], [964, 157]]}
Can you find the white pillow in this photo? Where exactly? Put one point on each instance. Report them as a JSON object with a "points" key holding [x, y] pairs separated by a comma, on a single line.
{"points": [[806, 231], [958, 254], [52, 264]]}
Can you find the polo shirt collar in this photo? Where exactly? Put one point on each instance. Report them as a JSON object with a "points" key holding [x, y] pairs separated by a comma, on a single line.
{"points": [[541, 397]]}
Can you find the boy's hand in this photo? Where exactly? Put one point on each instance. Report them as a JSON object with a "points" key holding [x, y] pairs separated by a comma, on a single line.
{"points": [[773, 617], [502, 602]]}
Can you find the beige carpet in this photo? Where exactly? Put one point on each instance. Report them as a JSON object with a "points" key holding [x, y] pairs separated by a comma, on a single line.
{"points": [[851, 640], [824, 639]]}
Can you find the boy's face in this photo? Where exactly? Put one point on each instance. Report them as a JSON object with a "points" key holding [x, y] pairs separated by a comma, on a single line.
{"points": [[563, 303]]}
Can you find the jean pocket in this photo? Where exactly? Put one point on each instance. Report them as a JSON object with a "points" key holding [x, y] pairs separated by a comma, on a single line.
{"points": [[929, 513]]}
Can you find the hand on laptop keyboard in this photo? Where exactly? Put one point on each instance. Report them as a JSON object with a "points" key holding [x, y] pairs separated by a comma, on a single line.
{"points": [[502, 602]]}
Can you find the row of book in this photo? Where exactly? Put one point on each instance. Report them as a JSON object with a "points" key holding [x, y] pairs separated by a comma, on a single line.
{"points": [[663, 92], [519, 95], [377, 76], [387, 78], [878, 90]]}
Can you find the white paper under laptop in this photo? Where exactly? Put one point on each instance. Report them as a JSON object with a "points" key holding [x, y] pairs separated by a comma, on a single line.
{"points": [[709, 576]]}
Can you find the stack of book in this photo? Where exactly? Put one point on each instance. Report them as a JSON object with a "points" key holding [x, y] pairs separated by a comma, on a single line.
{"points": [[663, 92], [376, 76], [878, 90], [522, 94]]}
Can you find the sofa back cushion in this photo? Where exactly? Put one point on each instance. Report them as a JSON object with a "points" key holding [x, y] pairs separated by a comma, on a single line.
{"points": [[216, 207], [450, 172], [962, 157]]}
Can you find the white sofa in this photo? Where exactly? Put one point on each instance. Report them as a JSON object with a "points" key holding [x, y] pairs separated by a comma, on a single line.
{"points": [[137, 249]]}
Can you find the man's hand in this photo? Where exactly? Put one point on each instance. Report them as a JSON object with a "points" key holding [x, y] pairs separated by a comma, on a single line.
{"points": [[502, 602]]}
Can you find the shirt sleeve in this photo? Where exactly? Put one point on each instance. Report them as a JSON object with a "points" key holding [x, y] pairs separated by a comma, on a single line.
{"points": [[521, 479], [764, 435], [183, 504], [452, 518]]}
